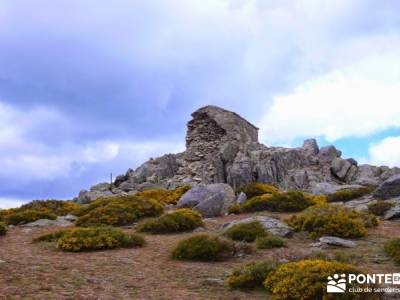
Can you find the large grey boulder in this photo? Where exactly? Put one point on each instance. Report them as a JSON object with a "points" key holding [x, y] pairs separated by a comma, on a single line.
{"points": [[272, 225], [390, 188], [328, 154], [210, 200], [340, 167]]}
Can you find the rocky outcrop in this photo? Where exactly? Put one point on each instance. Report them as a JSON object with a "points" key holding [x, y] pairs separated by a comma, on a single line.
{"points": [[222, 147]]}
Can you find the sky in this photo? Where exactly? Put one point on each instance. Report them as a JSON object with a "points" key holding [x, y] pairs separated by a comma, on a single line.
{"points": [[93, 87]]}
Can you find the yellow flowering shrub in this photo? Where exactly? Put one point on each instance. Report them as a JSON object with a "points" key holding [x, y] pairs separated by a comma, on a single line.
{"points": [[117, 211], [333, 220], [250, 275], [29, 215], [291, 201], [97, 238], [60, 208], [165, 196], [35, 210], [203, 247], [51, 236], [180, 220], [307, 279], [257, 189]]}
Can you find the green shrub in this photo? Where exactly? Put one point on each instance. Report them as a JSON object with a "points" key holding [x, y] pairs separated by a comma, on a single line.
{"points": [[203, 247], [348, 194], [379, 208], [269, 241], [250, 275], [307, 279], [165, 196], [117, 211], [183, 219], [369, 220], [333, 220], [86, 208], [235, 209], [291, 201], [97, 238], [35, 210], [257, 189], [57, 207], [3, 228], [392, 248], [27, 216], [246, 232], [51, 237]]}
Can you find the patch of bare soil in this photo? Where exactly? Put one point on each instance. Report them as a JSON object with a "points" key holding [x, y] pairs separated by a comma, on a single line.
{"points": [[40, 271]]}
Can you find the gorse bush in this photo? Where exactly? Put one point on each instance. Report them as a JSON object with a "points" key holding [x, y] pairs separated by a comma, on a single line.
{"points": [[29, 215], [292, 201], [117, 210], [250, 275], [235, 209], [307, 279], [3, 228], [257, 189], [165, 196], [51, 236], [332, 220], [246, 232], [97, 238], [269, 241], [203, 247], [392, 248], [348, 194], [183, 219], [57, 207], [35, 210], [379, 208]]}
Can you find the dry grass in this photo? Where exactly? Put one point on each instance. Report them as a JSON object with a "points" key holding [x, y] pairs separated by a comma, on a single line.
{"points": [[39, 271]]}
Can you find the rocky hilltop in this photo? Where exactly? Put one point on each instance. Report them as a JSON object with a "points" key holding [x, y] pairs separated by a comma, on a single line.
{"points": [[223, 147]]}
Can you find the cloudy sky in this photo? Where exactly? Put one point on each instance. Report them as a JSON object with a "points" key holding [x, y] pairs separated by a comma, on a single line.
{"points": [[93, 87]]}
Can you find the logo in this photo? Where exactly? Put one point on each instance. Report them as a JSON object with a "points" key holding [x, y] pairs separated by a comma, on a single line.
{"points": [[336, 284]]}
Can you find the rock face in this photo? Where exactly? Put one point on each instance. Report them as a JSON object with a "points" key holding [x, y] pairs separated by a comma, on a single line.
{"points": [[390, 188], [272, 225], [210, 200], [222, 147]]}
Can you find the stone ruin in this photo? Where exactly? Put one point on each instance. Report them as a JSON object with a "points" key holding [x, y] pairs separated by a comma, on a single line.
{"points": [[222, 147]]}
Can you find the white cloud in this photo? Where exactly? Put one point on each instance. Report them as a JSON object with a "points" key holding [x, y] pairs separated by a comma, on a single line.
{"points": [[386, 152], [10, 202], [357, 100], [25, 159]]}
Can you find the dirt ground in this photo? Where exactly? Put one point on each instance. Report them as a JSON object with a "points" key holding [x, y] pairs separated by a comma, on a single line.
{"points": [[40, 271]]}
